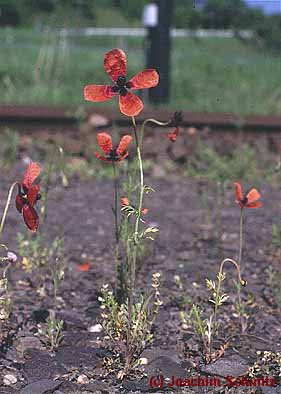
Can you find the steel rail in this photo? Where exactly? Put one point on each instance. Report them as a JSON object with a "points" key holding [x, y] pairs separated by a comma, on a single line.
{"points": [[13, 115]]}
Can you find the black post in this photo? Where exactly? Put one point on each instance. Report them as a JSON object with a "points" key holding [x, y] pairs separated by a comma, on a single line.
{"points": [[160, 52]]}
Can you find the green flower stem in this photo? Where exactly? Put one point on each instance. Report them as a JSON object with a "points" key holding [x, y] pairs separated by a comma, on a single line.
{"points": [[119, 274], [239, 261], [9, 198], [141, 194], [237, 266], [135, 243], [241, 236], [115, 209]]}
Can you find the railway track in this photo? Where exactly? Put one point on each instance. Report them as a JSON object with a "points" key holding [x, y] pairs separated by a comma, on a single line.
{"points": [[29, 117]]}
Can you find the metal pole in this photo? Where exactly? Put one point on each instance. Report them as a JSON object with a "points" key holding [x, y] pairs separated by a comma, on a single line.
{"points": [[160, 52]]}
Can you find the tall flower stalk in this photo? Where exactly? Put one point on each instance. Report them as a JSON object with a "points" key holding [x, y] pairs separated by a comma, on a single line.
{"points": [[248, 200], [5, 212], [115, 64]]}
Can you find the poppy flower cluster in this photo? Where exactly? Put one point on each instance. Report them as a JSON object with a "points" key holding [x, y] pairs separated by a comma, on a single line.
{"points": [[115, 64], [112, 154], [28, 195], [248, 200]]}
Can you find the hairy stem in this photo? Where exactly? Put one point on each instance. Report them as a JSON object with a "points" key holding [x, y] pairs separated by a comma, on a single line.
{"points": [[141, 194], [240, 236], [135, 243], [119, 270], [115, 209], [239, 260]]}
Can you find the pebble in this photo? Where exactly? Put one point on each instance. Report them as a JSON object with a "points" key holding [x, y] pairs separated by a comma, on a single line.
{"points": [[83, 379], [44, 386], [9, 379], [96, 328]]}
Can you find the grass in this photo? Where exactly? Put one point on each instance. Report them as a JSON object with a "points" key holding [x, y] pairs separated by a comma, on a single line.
{"points": [[210, 74]]}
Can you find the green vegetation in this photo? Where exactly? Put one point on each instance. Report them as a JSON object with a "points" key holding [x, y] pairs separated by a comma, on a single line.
{"points": [[209, 74]]}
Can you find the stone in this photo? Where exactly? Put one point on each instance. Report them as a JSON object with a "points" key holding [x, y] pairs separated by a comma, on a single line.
{"points": [[28, 342], [76, 357], [83, 379], [96, 328], [225, 366], [40, 365], [165, 365], [9, 380], [44, 386]]}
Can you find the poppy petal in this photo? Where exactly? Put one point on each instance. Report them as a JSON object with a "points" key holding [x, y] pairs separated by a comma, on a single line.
{"points": [[105, 142], [124, 144], [115, 64], [238, 191], [32, 172], [19, 203], [256, 204], [253, 196], [84, 267], [32, 194], [125, 201], [101, 157], [98, 93], [145, 79], [30, 217], [130, 104]]}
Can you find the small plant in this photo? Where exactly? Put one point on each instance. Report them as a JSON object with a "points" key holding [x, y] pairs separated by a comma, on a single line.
{"points": [[52, 334], [5, 300], [115, 322], [268, 364], [208, 328]]}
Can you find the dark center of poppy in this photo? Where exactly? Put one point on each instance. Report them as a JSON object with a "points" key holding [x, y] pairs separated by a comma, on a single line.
{"points": [[121, 81], [113, 156], [244, 201], [121, 86], [24, 197]]}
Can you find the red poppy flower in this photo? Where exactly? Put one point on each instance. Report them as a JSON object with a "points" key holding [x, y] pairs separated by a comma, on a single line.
{"points": [[115, 64], [250, 200], [113, 154], [85, 267], [28, 195]]}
